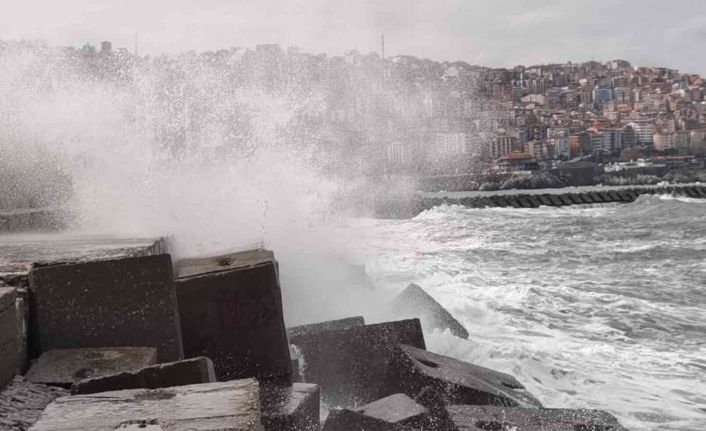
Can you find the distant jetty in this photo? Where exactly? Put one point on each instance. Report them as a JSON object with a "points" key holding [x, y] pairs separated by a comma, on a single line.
{"points": [[400, 208]]}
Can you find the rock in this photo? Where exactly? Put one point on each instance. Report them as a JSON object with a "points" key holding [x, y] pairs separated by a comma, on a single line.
{"points": [[303, 330], [468, 417], [109, 303], [350, 365], [349, 420], [414, 301], [231, 311], [290, 408], [413, 369], [180, 373], [64, 367], [398, 409], [22, 402], [226, 406], [9, 337]]}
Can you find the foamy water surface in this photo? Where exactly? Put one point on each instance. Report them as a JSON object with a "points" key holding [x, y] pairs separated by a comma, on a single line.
{"points": [[590, 307]]}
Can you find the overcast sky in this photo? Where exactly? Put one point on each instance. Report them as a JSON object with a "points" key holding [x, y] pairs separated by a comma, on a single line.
{"points": [[489, 32]]}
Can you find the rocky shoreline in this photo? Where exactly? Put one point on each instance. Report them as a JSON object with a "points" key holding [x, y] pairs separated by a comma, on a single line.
{"points": [[115, 335]]}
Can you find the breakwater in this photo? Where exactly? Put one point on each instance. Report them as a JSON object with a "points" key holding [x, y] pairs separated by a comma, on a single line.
{"points": [[407, 208]]}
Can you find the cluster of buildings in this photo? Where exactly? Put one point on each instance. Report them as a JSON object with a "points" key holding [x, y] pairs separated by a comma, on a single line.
{"points": [[404, 114]]}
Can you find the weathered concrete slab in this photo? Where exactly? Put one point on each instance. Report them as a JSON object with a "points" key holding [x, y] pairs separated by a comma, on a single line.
{"points": [[303, 330], [398, 409], [65, 367], [468, 417], [22, 402], [107, 303], [20, 252], [228, 306], [414, 301], [349, 420], [227, 406], [9, 336], [413, 369], [290, 408], [350, 365], [180, 373]]}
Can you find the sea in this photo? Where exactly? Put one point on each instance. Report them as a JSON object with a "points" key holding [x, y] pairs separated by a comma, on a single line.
{"points": [[598, 307]]}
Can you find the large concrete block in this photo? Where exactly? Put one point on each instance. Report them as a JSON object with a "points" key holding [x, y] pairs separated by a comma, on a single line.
{"points": [[349, 420], [231, 311], [227, 406], [290, 408], [312, 328], [398, 409], [110, 303], [468, 417], [180, 373], [413, 369], [65, 367], [19, 253], [414, 301], [9, 337], [350, 365]]}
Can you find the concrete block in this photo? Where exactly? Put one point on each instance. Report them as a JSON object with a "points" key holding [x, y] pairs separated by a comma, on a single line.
{"points": [[691, 192], [227, 406], [512, 200], [597, 198], [19, 253], [586, 198], [350, 365], [626, 196], [228, 306], [500, 201], [349, 420], [468, 417], [575, 199], [110, 303], [398, 409], [606, 197], [565, 199], [615, 196], [303, 330], [413, 369], [556, 200], [290, 408], [9, 336], [544, 199], [701, 191], [413, 301], [180, 373], [534, 201], [64, 367], [524, 202]]}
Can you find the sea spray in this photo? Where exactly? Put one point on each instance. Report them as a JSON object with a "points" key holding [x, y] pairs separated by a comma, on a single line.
{"points": [[180, 146]]}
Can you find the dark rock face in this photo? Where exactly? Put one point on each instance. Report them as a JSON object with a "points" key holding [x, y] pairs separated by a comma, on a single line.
{"points": [[290, 408], [65, 367], [231, 311], [398, 409], [414, 301], [226, 406], [349, 420], [22, 402], [351, 365], [187, 372], [501, 418], [9, 336], [111, 303], [458, 382]]}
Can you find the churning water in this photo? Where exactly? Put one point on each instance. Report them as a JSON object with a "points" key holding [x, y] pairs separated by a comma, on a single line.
{"points": [[601, 307]]}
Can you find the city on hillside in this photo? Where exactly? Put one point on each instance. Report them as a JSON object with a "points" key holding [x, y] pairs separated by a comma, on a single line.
{"points": [[452, 124]]}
